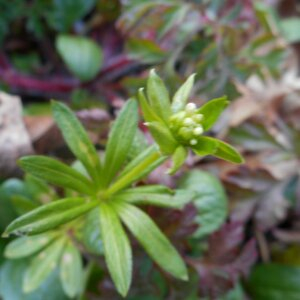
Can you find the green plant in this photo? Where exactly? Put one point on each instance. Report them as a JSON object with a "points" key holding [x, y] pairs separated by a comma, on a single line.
{"points": [[105, 189]]}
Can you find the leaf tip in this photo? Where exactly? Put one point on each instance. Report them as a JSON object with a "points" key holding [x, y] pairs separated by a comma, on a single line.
{"points": [[152, 72], [5, 234], [185, 277]]}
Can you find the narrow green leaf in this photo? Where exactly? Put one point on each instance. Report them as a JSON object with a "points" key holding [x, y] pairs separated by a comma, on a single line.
{"points": [[152, 239], [229, 153], [27, 245], [178, 158], [120, 139], [39, 189], [152, 150], [139, 167], [155, 188], [23, 204], [205, 146], [148, 112], [181, 96], [209, 198], [211, 111], [159, 198], [81, 54], [71, 270], [77, 139], [50, 216], [42, 265], [57, 173], [158, 96], [163, 137], [117, 248]]}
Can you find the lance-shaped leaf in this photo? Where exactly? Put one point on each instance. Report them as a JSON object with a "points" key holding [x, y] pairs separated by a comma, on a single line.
{"points": [[211, 111], [205, 146], [152, 239], [117, 250], [42, 265], [71, 270], [23, 205], [57, 173], [211, 146], [163, 137], [178, 158], [120, 139], [77, 139], [158, 96], [50, 216], [181, 96], [28, 245], [139, 167], [148, 113], [160, 198], [229, 153]]}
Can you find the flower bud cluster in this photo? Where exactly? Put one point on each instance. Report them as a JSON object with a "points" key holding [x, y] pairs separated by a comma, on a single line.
{"points": [[186, 125]]}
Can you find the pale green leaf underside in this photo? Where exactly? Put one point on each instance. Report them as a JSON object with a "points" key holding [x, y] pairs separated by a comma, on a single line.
{"points": [[42, 265], [71, 270], [27, 245]]}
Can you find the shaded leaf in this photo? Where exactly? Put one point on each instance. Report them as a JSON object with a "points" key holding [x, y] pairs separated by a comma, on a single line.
{"points": [[163, 137], [42, 265], [11, 278], [274, 281], [81, 54], [178, 158], [91, 233], [209, 199], [71, 270], [28, 245]]}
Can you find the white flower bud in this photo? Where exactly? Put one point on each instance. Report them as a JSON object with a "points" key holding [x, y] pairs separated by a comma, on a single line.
{"points": [[198, 117], [190, 107], [188, 122], [198, 130], [193, 142]]}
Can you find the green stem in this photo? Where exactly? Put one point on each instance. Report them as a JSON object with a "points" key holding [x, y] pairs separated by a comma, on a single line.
{"points": [[131, 175]]}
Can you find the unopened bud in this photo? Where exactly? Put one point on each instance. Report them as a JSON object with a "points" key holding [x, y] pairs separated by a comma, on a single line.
{"points": [[193, 142], [190, 107], [188, 122], [198, 118], [186, 133], [198, 130]]}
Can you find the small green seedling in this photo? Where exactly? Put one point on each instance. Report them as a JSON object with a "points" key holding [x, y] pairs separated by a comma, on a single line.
{"points": [[107, 188]]}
